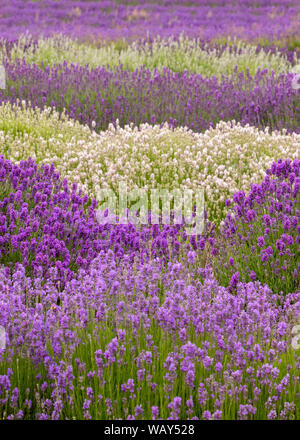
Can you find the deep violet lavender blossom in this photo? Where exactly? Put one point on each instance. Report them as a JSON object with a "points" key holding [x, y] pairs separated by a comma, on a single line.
{"points": [[217, 345], [101, 20], [99, 97], [47, 224], [262, 231]]}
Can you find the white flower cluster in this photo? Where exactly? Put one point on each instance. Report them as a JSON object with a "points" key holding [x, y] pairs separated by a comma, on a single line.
{"points": [[221, 160], [177, 55]]}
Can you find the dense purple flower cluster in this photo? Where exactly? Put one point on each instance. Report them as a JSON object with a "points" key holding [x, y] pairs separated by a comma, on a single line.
{"points": [[124, 321], [141, 96], [211, 349], [292, 55], [49, 226], [44, 223], [263, 231], [95, 20]]}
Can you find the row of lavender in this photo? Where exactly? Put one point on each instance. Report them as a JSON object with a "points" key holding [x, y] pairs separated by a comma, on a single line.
{"points": [[104, 321], [264, 20], [103, 96]]}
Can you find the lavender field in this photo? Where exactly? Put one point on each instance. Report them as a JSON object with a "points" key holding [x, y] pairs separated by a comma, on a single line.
{"points": [[150, 210]]}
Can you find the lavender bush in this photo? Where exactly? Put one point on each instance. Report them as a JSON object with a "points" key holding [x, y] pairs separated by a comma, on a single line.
{"points": [[148, 345], [144, 96], [222, 160], [262, 237], [50, 227], [134, 338], [125, 321]]}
